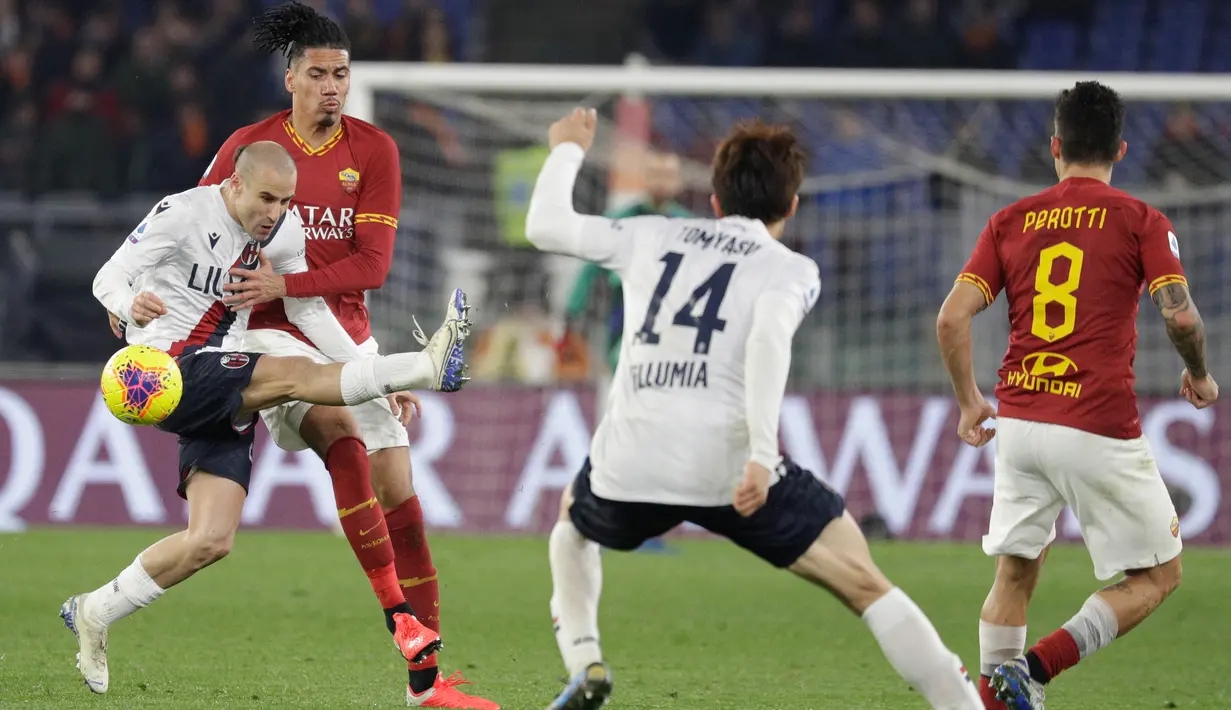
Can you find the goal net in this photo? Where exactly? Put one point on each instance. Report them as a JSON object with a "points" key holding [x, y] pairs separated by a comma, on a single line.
{"points": [[906, 168]]}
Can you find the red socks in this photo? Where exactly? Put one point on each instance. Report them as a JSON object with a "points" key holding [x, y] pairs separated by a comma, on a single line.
{"points": [[1053, 654], [413, 560], [362, 519]]}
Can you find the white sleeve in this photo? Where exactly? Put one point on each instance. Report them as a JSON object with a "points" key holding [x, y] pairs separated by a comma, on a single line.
{"points": [[553, 225], [149, 244], [287, 254], [767, 357]]}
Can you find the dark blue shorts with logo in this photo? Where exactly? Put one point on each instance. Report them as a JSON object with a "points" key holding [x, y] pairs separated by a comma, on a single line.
{"points": [[800, 506], [212, 437]]}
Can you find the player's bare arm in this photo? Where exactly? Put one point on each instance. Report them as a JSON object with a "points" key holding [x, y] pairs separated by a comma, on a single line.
{"points": [[964, 302], [1187, 333]]}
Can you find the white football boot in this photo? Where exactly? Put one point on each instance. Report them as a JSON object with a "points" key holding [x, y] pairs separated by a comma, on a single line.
{"points": [[91, 643]]}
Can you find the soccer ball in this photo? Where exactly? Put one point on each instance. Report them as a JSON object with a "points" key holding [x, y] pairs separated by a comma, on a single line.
{"points": [[141, 385]]}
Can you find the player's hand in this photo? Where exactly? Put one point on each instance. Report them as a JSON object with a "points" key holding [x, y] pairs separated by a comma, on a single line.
{"points": [[577, 127], [1199, 391], [114, 321], [147, 307], [260, 285], [405, 406], [970, 427], [753, 491]]}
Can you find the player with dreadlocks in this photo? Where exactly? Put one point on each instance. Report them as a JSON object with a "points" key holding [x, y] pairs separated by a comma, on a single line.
{"points": [[349, 196]]}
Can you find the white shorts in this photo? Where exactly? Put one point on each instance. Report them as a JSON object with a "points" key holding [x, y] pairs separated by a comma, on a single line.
{"points": [[1113, 486], [379, 428]]}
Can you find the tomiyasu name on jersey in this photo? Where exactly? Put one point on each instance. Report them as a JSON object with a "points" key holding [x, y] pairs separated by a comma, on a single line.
{"points": [[676, 427]]}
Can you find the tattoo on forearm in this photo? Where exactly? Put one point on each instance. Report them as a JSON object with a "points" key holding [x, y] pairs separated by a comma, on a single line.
{"points": [[1184, 326]]}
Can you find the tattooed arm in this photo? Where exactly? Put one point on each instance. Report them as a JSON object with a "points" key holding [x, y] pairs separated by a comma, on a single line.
{"points": [[1184, 326]]}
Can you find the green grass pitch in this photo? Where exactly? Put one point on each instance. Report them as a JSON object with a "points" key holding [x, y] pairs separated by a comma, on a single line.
{"points": [[288, 621]]}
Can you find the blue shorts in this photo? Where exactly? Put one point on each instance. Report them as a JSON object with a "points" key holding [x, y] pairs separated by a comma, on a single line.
{"points": [[800, 506], [211, 437]]}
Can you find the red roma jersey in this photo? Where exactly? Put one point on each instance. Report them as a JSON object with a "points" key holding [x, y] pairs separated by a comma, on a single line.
{"points": [[1073, 261], [349, 196]]}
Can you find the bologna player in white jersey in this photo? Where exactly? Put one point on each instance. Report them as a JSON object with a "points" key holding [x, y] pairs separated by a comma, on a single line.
{"points": [[691, 430], [164, 286]]}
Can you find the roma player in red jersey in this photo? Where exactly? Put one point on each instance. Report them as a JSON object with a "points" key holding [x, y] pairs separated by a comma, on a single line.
{"points": [[349, 196], [1072, 261]]}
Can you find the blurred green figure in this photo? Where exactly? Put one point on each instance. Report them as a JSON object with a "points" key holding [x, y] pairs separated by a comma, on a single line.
{"points": [[662, 180]]}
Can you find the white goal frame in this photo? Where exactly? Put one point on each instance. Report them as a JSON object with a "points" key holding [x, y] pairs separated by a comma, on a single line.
{"points": [[636, 77]]}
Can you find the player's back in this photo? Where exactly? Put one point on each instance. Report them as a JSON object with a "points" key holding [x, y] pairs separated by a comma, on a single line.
{"points": [[675, 430], [1074, 259]]}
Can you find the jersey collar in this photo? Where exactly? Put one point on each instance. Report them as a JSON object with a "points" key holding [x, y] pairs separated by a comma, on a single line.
{"points": [[307, 149]]}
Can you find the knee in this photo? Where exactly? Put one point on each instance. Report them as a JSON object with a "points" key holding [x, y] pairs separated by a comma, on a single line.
{"points": [[867, 585], [323, 426], [208, 548], [1165, 578], [391, 477], [1017, 574]]}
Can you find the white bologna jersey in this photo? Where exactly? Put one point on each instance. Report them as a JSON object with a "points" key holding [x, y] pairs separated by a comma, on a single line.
{"points": [[676, 428], [183, 252]]}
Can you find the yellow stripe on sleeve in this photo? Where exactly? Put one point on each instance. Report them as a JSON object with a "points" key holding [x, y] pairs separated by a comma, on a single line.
{"points": [[978, 282]]}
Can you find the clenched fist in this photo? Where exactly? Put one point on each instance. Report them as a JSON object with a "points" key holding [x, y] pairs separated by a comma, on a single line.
{"points": [[147, 307], [577, 127]]}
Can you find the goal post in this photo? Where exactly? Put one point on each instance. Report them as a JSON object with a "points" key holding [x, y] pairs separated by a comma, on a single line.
{"points": [[905, 169], [907, 166]]}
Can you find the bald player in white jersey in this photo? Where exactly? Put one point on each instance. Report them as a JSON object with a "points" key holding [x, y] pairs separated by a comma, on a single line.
{"points": [[163, 288], [691, 429]]}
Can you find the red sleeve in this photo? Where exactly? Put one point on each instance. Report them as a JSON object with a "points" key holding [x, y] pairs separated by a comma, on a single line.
{"points": [[984, 269], [223, 164], [1160, 252], [376, 222]]}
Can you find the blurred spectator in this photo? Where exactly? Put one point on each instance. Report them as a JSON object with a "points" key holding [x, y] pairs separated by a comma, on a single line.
{"points": [[78, 149], [730, 38], [865, 41], [984, 45], [924, 41], [1186, 155], [10, 26], [673, 28], [795, 40]]}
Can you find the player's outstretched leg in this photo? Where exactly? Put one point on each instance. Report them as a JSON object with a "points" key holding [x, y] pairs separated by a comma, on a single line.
{"points": [[577, 584], [214, 507], [1002, 621], [1107, 614], [440, 366], [840, 561]]}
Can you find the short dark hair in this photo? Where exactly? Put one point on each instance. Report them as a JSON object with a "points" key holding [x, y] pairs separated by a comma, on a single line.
{"points": [[757, 171], [293, 28], [1090, 123]]}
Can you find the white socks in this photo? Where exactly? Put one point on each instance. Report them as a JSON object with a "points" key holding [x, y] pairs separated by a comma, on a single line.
{"points": [[915, 651], [577, 583], [999, 645], [133, 589], [381, 375], [1094, 627]]}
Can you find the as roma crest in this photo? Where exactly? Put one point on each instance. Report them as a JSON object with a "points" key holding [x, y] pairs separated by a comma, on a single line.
{"points": [[349, 178]]}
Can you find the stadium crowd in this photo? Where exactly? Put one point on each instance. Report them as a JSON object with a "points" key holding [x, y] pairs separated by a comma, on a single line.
{"points": [[133, 95]]}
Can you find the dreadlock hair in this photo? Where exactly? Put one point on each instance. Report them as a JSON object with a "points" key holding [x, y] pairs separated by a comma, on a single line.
{"points": [[293, 28]]}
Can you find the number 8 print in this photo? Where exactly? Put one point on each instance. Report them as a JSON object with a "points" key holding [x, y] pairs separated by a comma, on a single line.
{"points": [[1062, 293]]}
